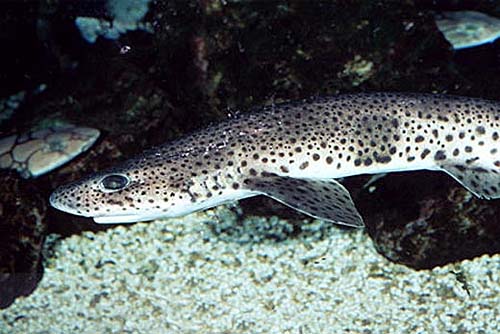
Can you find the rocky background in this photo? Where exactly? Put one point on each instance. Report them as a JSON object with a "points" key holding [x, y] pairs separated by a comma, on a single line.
{"points": [[207, 59]]}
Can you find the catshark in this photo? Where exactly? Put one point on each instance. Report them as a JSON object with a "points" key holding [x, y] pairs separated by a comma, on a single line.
{"points": [[293, 152]]}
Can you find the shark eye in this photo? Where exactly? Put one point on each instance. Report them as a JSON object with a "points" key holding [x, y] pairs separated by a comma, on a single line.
{"points": [[114, 182]]}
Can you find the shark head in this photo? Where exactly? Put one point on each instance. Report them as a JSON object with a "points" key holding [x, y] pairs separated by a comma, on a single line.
{"points": [[137, 190], [150, 186]]}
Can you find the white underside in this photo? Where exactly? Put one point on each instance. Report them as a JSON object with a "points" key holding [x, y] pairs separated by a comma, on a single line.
{"points": [[315, 171], [118, 219], [324, 171], [320, 172], [178, 210]]}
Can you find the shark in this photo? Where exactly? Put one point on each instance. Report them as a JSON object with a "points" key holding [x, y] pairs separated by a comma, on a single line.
{"points": [[295, 152]]}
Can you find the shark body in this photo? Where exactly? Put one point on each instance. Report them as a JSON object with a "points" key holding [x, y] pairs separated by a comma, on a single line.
{"points": [[293, 152]]}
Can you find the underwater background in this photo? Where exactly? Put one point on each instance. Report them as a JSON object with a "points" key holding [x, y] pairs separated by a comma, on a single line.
{"points": [[114, 77]]}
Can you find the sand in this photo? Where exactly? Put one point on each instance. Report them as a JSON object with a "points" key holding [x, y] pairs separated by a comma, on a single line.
{"points": [[212, 273]]}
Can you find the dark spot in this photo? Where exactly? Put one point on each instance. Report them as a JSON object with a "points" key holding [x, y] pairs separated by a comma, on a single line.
{"points": [[115, 202], [440, 155], [381, 159], [471, 160], [425, 153]]}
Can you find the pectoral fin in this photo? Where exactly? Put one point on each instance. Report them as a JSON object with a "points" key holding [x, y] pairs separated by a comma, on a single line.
{"points": [[323, 199], [482, 182]]}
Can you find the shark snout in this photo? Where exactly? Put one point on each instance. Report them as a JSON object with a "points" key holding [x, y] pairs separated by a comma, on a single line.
{"points": [[60, 200], [57, 201], [54, 200]]}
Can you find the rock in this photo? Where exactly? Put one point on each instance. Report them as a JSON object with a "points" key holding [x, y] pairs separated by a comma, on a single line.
{"points": [[22, 231]]}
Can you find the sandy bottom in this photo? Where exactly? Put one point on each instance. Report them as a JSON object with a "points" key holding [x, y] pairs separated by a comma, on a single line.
{"points": [[213, 274]]}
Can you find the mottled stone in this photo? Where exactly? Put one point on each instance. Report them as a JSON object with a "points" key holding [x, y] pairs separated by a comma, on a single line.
{"points": [[424, 220]]}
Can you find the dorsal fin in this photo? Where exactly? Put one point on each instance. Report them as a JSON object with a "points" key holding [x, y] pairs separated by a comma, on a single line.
{"points": [[323, 199]]}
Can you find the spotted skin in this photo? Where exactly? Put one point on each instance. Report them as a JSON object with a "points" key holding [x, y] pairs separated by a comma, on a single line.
{"points": [[314, 141]]}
